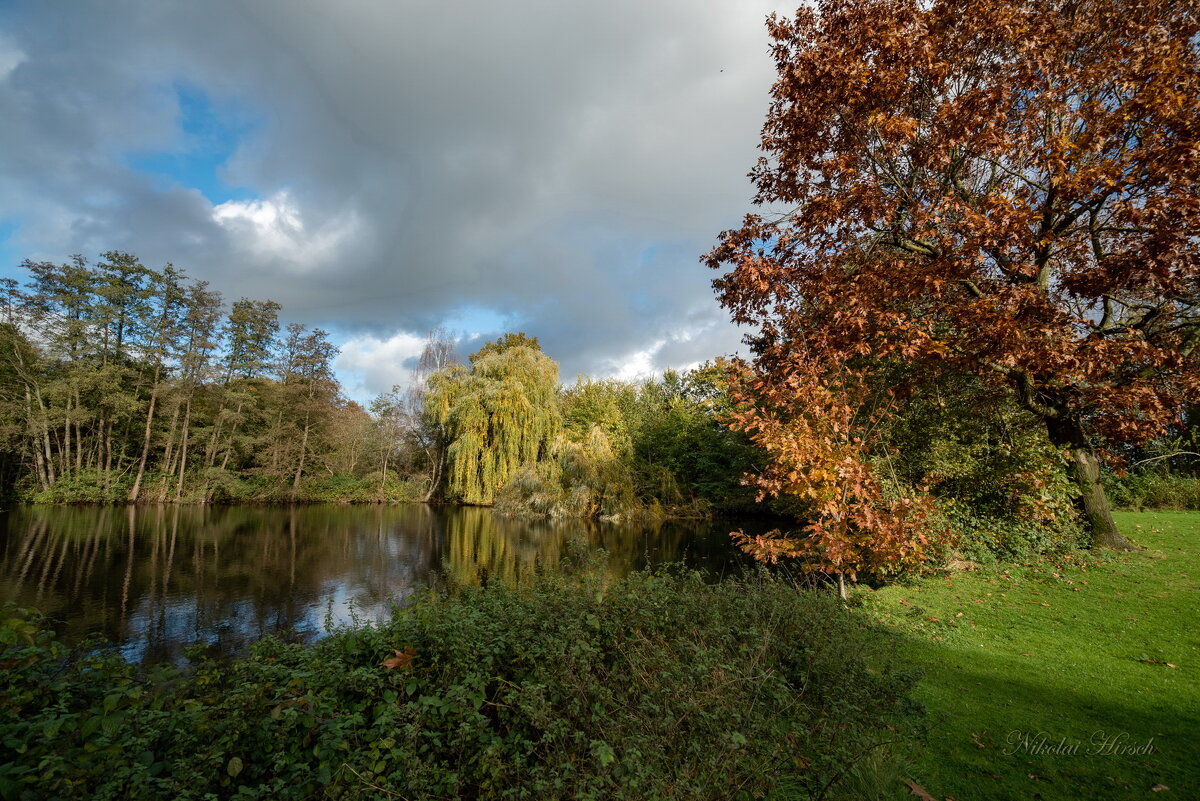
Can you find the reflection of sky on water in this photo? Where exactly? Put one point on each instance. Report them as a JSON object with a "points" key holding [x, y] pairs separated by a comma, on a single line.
{"points": [[154, 580]]}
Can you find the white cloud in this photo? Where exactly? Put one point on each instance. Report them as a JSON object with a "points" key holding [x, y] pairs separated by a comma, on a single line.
{"points": [[553, 167], [368, 365], [11, 57], [273, 228], [634, 366]]}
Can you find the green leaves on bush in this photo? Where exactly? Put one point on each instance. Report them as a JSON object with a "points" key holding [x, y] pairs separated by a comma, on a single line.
{"points": [[658, 686]]}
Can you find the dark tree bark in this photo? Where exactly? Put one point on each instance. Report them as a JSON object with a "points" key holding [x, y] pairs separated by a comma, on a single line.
{"points": [[1067, 433]]}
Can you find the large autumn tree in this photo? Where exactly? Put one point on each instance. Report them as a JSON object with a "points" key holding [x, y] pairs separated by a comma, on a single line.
{"points": [[1006, 188]]}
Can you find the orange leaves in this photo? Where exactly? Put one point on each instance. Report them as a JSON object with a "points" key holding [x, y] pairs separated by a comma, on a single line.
{"points": [[1023, 211], [816, 428], [402, 659]]}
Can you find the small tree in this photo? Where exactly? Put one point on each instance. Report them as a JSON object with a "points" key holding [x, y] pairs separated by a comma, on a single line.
{"points": [[1009, 188]]}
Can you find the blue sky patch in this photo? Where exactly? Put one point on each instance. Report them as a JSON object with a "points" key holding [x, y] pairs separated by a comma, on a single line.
{"points": [[209, 134], [9, 257]]}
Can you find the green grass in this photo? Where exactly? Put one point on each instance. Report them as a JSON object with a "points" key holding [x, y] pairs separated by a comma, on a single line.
{"points": [[1027, 664]]}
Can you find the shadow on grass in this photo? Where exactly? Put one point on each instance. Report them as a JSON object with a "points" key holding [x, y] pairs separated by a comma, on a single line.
{"points": [[1016, 727]]}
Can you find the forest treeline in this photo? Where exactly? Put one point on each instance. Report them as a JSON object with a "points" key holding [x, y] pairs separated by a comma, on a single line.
{"points": [[123, 383], [120, 382]]}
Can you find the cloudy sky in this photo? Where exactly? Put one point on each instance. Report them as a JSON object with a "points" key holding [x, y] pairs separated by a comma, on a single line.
{"points": [[381, 167]]}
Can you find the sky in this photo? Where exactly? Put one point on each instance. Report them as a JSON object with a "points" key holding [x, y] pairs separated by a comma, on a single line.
{"points": [[383, 167]]}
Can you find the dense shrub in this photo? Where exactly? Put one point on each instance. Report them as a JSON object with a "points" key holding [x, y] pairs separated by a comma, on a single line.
{"points": [[1154, 490], [215, 485], [1001, 489], [84, 486], [659, 686]]}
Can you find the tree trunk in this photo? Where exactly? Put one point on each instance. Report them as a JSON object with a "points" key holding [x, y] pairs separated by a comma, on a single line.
{"points": [[1085, 469], [45, 426], [167, 466], [183, 449], [435, 477], [146, 435], [78, 436], [303, 452], [35, 444], [383, 474], [66, 455]]}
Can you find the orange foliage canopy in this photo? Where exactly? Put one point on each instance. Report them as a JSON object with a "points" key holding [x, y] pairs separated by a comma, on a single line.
{"points": [[1007, 188]]}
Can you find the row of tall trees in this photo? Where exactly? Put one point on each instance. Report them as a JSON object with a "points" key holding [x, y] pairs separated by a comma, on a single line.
{"points": [[128, 382], [124, 383]]}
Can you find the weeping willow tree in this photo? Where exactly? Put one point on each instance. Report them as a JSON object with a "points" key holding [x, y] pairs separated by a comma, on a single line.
{"points": [[498, 412], [585, 476]]}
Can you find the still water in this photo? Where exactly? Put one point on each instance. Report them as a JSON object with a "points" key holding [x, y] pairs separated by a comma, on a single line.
{"points": [[155, 579]]}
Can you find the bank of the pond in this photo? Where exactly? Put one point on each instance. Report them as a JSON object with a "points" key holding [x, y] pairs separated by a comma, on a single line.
{"points": [[571, 686], [1069, 679]]}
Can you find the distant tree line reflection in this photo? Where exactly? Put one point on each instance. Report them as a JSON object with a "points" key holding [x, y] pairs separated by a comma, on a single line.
{"points": [[155, 579]]}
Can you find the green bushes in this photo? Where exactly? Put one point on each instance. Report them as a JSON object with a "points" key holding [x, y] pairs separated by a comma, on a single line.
{"points": [[218, 486], [84, 486], [1001, 489], [658, 686], [1154, 490]]}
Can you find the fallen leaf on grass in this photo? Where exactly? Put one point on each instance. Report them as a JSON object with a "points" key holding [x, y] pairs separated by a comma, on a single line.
{"points": [[1158, 788], [1147, 660], [934, 619], [919, 791], [959, 614], [975, 739], [402, 659], [1026, 654]]}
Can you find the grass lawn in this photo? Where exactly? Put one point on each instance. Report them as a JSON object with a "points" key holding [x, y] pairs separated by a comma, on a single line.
{"points": [[1075, 679]]}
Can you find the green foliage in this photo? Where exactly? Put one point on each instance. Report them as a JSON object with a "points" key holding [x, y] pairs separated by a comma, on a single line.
{"points": [[680, 435], [342, 488], [1153, 489], [999, 486], [121, 383], [223, 487], [500, 412], [88, 485], [584, 476], [653, 449], [658, 686]]}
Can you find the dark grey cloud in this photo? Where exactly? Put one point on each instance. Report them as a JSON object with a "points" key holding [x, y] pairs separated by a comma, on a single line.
{"points": [[560, 164]]}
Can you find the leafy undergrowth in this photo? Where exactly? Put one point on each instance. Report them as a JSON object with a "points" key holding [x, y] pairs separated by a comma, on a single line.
{"points": [[1060, 679], [659, 686]]}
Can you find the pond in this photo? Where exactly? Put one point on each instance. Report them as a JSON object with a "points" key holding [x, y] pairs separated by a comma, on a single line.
{"points": [[155, 579]]}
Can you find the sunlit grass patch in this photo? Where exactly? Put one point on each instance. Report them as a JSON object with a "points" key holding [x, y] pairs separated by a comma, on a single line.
{"points": [[1060, 678]]}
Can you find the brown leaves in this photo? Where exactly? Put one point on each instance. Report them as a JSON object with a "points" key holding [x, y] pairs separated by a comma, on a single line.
{"points": [[1147, 660], [939, 219], [402, 659], [919, 791]]}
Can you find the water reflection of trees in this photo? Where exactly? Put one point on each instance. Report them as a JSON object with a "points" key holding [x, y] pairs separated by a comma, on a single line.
{"points": [[157, 578]]}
